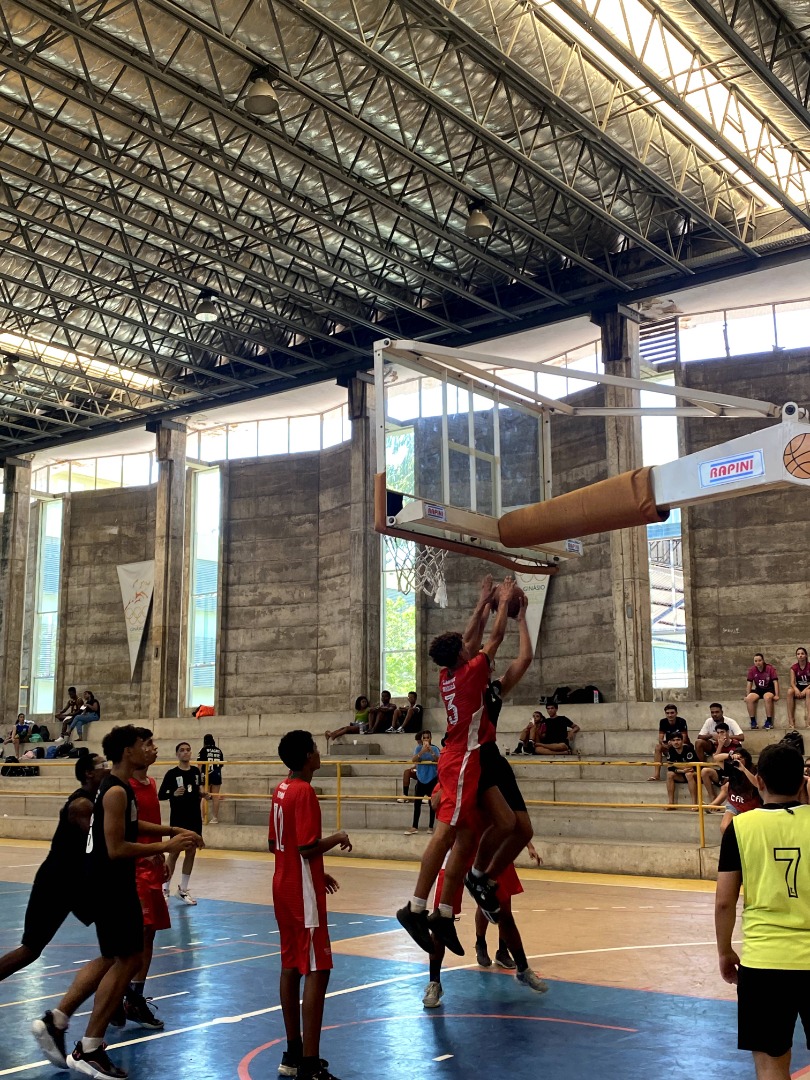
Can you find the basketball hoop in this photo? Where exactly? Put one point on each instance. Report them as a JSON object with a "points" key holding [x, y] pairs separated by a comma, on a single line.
{"points": [[419, 569]]}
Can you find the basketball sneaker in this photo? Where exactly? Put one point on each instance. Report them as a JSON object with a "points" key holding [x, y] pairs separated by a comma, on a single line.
{"points": [[753, 723], [94, 1063], [321, 1073], [186, 897], [138, 1011], [443, 928], [768, 723], [485, 894], [51, 1040], [289, 1064], [532, 980], [482, 956], [416, 923], [432, 997], [504, 960], [119, 1017]]}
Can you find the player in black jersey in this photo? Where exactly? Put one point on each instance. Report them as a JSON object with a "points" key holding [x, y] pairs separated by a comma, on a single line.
{"points": [[494, 855], [112, 848], [56, 891]]}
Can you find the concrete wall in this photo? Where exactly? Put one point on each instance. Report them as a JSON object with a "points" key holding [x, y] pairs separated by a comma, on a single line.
{"points": [[103, 529], [285, 619], [746, 578]]}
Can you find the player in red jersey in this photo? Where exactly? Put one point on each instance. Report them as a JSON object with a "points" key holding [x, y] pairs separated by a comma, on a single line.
{"points": [[463, 683], [300, 885], [150, 874]]}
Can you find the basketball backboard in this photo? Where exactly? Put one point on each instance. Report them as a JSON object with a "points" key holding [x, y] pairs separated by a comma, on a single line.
{"points": [[457, 447]]}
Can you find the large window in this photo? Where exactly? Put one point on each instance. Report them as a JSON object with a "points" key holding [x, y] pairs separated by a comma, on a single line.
{"points": [[202, 621], [398, 667], [46, 613]]}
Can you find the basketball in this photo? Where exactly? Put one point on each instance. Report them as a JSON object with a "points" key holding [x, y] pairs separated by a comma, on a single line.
{"points": [[797, 457], [514, 603]]}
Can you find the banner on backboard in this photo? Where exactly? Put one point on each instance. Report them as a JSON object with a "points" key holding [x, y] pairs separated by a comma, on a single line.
{"points": [[137, 581], [536, 588]]}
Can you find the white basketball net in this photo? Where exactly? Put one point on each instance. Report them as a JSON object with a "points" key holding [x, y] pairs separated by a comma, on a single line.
{"points": [[419, 569]]}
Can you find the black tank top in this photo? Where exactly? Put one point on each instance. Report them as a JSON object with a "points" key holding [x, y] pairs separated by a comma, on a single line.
{"points": [[111, 872], [69, 841], [493, 702]]}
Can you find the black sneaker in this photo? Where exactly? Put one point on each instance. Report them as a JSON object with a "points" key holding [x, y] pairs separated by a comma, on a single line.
{"points": [[518, 749], [529, 748], [482, 956], [443, 928], [768, 723], [51, 1040], [416, 923], [138, 1011], [504, 960], [485, 895], [119, 1017], [94, 1063], [322, 1073]]}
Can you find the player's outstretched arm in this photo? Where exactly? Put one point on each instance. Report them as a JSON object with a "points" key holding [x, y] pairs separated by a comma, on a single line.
{"points": [[473, 635], [520, 665], [338, 839], [498, 633]]}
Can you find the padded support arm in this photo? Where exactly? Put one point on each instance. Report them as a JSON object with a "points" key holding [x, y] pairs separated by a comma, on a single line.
{"points": [[617, 503]]}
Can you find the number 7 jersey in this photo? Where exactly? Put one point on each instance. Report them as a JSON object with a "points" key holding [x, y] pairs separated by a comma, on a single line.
{"points": [[299, 886]]}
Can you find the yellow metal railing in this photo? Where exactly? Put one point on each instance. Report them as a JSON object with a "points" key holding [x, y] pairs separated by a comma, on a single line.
{"points": [[341, 797]]}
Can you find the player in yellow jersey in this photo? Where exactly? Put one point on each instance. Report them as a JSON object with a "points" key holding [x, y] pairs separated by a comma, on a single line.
{"points": [[767, 851]]}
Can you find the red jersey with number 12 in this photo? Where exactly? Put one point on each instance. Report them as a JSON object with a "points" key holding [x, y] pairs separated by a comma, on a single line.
{"points": [[299, 886], [462, 692]]}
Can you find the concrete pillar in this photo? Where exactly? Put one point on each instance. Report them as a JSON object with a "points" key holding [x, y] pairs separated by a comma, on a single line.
{"points": [[167, 602], [364, 628], [629, 564], [13, 560]]}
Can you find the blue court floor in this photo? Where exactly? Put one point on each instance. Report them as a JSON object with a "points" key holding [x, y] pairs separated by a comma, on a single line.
{"points": [[214, 980]]}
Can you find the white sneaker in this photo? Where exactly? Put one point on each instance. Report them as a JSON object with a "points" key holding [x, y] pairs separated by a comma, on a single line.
{"points": [[433, 995], [186, 897], [532, 980], [213, 821]]}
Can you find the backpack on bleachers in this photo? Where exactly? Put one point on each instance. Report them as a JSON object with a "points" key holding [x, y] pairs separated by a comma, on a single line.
{"points": [[13, 768], [63, 749], [794, 739], [42, 731]]}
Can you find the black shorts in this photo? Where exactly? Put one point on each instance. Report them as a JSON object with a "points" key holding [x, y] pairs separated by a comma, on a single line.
{"points": [[678, 774], [769, 1003], [51, 901], [119, 923], [761, 691], [193, 824], [497, 772]]}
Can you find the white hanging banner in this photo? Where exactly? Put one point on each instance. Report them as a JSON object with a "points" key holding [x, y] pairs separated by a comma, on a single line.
{"points": [[137, 581], [536, 588]]}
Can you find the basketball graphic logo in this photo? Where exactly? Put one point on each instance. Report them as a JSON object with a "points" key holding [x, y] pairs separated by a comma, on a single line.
{"points": [[797, 457]]}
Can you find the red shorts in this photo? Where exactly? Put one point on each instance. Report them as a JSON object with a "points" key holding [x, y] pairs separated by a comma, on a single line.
{"points": [[458, 778], [301, 947], [508, 886], [153, 904]]}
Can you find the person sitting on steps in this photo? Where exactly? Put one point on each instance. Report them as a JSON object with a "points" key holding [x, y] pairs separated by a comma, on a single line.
{"points": [[359, 726], [557, 734], [381, 717], [529, 734], [87, 713], [408, 718]]}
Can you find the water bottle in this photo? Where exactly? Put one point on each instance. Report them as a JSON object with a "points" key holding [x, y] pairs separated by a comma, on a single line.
{"points": [[596, 697]]}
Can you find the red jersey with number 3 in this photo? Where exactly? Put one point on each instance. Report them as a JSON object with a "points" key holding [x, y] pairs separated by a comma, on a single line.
{"points": [[462, 692], [299, 886]]}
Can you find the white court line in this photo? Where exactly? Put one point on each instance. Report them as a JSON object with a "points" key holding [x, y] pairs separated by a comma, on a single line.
{"points": [[80, 961], [169, 946], [353, 990], [195, 942], [222, 939], [48, 967], [250, 935], [443, 1057], [356, 922]]}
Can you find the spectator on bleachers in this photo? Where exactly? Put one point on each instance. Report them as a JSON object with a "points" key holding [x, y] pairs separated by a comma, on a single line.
{"points": [[408, 718], [425, 758], [667, 726], [556, 734], [19, 734], [679, 752], [88, 712], [799, 687], [739, 792], [359, 725], [211, 753], [380, 717], [762, 685], [805, 791], [706, 742], [724, 745], [70, 709], [528, 735]]}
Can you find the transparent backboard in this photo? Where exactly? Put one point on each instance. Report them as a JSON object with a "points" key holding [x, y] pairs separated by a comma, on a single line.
{"points": [[464, 446]]}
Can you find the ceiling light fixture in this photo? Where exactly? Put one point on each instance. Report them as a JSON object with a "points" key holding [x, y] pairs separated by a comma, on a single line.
{"points": [[478, 225], [261, 99], [8, 371], [205, 309]]}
